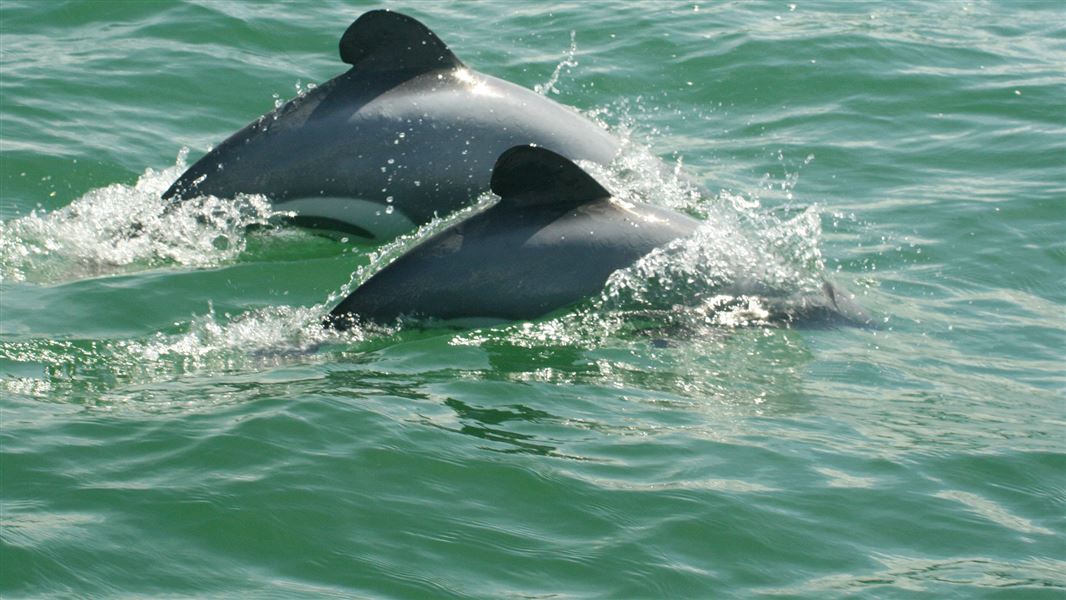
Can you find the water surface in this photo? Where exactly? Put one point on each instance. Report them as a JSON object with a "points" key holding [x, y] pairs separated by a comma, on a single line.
{"points": [[174, 422]]}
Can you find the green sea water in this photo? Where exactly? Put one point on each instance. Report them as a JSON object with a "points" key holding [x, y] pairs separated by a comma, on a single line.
{"points": [[174, 422]]}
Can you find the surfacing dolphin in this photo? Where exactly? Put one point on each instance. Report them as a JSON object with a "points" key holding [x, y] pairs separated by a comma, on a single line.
{"points": [[407, 132], [553, 239]]}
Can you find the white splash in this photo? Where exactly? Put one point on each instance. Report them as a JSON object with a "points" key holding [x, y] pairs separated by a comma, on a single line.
{"points": [[568, 62], [729, 274], [255, 340], [743, 267], [122, 228]]}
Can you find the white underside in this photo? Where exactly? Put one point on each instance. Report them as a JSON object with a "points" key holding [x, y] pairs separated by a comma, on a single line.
{"points": [[382, 220]]}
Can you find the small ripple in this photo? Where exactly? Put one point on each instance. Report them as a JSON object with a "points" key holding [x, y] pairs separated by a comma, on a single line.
{"points": [[993, 512], [916, 574]]}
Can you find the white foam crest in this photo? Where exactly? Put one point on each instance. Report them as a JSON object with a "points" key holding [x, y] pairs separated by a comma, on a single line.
{"points": [[741, 260], [637, 175], [122, 228], [251, 341], [258, 337], [724, 258], [741, 268]]}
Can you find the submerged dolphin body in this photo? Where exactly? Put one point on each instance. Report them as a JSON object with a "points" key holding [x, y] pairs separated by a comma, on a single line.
{"points": [[553, 239], [407, 132]]}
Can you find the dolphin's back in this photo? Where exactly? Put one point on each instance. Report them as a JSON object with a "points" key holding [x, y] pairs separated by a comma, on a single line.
{"points": [[407, 128], [553, 239], [534, 263]]}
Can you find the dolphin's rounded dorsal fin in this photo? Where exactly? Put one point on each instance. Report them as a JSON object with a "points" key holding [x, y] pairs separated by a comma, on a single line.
{"points": [[383, 40], [533, 176]]}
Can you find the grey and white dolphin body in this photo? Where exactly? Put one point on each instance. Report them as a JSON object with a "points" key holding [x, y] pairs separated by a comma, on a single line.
{"points": [[407, 132], [554, 238]]}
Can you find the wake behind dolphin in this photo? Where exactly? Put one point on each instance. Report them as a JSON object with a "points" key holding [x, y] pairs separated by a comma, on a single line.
{"points": [[408, 132]]}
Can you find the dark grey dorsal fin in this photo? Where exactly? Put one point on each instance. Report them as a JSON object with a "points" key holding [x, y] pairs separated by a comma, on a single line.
{"points": [[382, 40], [532, 176]]}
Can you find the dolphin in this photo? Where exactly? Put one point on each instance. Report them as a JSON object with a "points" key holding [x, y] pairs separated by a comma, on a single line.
{"points": [[407, 132], [553, 239]]}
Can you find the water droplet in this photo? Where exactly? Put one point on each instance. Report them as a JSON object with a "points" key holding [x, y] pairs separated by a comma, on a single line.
{"points": [[389, 209], [388, 199]]}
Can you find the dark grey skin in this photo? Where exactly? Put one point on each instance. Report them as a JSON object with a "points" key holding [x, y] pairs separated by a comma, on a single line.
{"points": [[553, 239], [408, 126]]}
